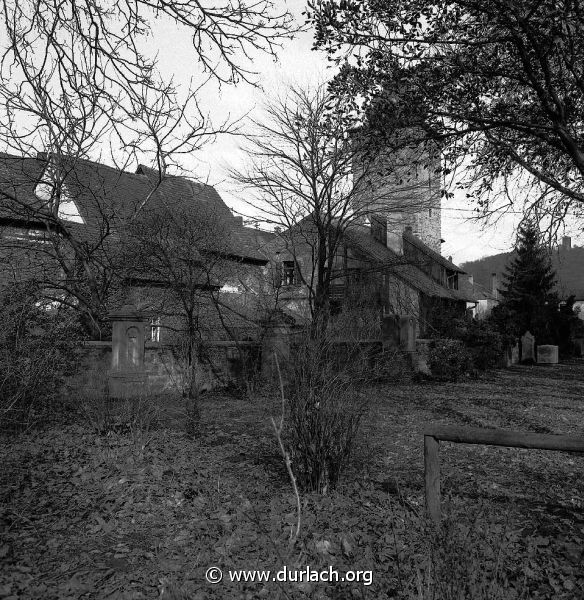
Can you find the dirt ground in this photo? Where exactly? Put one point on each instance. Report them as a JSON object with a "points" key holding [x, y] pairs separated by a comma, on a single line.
{"points": [[142, 514]]}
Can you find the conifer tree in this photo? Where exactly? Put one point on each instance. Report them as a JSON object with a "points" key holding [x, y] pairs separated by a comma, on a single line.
{"points": [[529, 301]]}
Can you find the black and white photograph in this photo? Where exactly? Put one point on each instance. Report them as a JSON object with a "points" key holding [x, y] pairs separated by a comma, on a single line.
{"points": [[291, 300]]}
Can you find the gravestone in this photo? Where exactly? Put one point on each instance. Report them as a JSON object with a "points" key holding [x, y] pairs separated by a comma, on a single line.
{"points": [[515, 354], [127, 377], [407, 334], [390, 332], [421, 358], [527, 347], [547, 355], [507, 356]]}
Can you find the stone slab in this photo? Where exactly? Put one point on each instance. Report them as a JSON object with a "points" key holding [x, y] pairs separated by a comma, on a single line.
{"points": [[547, 355]]}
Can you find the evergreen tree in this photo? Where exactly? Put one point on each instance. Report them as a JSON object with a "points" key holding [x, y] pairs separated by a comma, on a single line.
{"points": [[528, 299]]}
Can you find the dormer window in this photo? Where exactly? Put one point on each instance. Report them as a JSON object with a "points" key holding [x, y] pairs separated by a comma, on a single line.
{"points": [[452, 280], [46, 191], [68, 211]]}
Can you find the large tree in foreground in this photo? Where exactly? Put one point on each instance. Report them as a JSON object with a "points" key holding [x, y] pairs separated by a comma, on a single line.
{"points": [[499, 82], [312, 175]]}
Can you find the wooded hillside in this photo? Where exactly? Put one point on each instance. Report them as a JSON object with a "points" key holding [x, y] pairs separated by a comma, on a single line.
{"points": [[568, 264]]}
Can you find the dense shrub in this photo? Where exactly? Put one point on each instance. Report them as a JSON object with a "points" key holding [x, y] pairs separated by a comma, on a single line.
{"points": [[486, 343], [37, 351], [449, 360]]}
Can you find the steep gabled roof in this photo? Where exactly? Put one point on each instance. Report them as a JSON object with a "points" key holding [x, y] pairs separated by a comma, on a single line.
{"points": [[475, 290], [105, 196], [432, 254], [18, 180], [387, 260]]}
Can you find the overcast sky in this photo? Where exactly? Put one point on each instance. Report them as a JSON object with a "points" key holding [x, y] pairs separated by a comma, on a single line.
{"points": [[464, 239]]}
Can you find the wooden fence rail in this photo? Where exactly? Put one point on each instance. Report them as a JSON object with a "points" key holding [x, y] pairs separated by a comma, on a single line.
{"points": [[433, 435]]}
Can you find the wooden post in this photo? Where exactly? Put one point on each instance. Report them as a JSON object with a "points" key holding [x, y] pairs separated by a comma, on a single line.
{"points": [[432, 477], [490, 437]]}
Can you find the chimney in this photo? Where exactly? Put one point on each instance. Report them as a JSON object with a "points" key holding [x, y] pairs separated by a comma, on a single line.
{"points": [[471, 279], [566, 243], [379, 228], [494, 285], [450, 258], [395, 242]]}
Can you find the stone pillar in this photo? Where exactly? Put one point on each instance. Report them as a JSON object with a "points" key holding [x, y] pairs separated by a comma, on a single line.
{"points": [[127, 377], [421, 357], [276, 342], [407, 334]]}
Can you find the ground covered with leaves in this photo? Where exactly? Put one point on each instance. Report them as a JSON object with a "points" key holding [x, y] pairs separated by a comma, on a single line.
{"points": [[139, 512]]}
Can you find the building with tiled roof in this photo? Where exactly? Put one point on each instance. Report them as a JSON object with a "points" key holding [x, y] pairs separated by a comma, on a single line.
{"points": [[50, 215], [95, 196], [415, 282], [388, 256]]}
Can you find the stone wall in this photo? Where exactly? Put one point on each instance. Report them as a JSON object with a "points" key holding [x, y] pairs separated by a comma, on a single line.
{"points": [[222, 366]]}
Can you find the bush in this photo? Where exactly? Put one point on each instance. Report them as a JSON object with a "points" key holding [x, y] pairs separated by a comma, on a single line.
{"points": [[486, 343], [470, 557], [107, 415], [449, 360], [324, 411], [37, 345]]}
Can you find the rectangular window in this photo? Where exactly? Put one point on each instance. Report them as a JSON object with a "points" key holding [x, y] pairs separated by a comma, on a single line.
{"points": [[27, 235], [155, 329], [289, 273], [452, 280]]}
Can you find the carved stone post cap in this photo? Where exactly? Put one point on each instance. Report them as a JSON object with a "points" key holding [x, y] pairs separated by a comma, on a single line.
{"points": [[128, 312]]}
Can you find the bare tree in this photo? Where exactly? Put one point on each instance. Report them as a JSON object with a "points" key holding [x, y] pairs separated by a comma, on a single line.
{"points": [[312, 176], [176, 262], [184, 265]]}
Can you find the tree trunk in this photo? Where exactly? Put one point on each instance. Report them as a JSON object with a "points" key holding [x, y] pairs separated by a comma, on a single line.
{"points": [[192, 394]]}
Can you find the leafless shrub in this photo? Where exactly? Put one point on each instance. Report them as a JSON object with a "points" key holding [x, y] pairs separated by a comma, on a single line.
{"points": [[468, 557], [36, 353], [324, 409]]}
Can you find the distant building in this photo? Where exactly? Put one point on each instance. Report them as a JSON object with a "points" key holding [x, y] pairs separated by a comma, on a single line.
{"points": [[567, 262], [484, 299]]}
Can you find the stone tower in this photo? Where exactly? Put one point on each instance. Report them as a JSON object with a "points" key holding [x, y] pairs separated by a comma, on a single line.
{"points": [[402, 189]]}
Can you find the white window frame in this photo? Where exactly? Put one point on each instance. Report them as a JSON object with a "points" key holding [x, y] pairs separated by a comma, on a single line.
{"points": [[155, 329]]}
